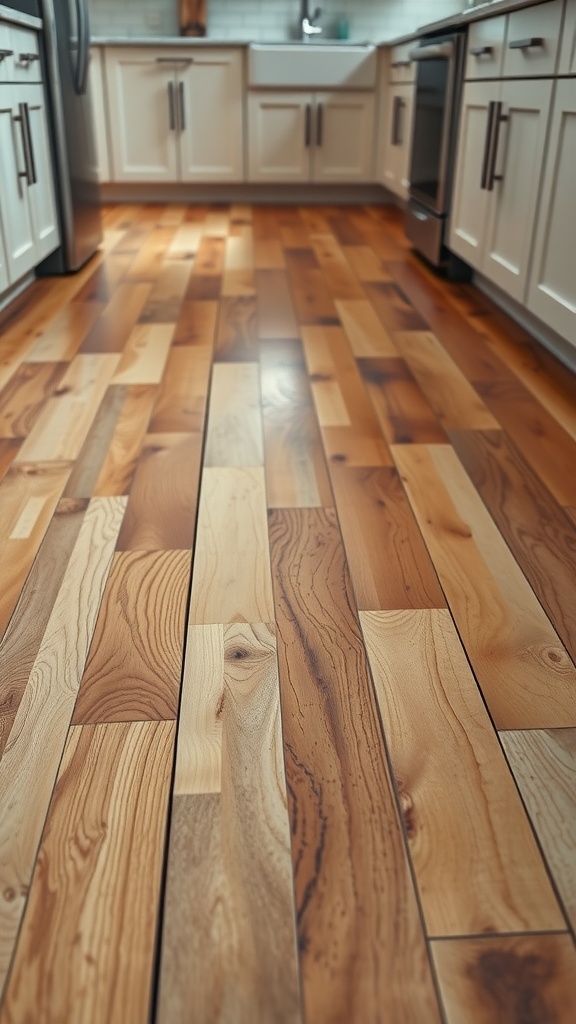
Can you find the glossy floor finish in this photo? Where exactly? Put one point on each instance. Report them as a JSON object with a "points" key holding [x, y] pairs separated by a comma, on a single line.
{"points": [[288, 606]]}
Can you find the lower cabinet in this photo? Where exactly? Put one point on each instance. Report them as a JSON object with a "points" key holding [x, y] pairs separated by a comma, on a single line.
{"points": [[502, 142], [97, 93], [396, 138], [4, 282], [552, 290], [311, 137]]}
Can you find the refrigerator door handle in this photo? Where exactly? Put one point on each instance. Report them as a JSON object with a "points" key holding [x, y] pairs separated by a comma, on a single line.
{"points": [[83, 47]]}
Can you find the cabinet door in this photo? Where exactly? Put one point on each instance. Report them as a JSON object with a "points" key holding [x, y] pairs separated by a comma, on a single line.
{"points": [[469, 201], [279, 136], [552, 292], [567, 64], [14, 207], [41, 193], [343, 137], [142, 115], [513, 202], [210, 111], [397, 128], [96, 90]]}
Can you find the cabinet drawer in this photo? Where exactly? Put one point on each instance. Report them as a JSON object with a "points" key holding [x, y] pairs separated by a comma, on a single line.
{"points": [[401, 68], [26, 65], [567, 65], [532, 40], [6, 60], [485, 48]]}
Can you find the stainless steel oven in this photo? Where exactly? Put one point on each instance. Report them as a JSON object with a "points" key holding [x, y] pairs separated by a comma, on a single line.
{"points": [[439, 68]]}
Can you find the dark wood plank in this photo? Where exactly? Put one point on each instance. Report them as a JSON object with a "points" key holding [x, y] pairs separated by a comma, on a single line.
{"points": [[89, 463], [135, 662], [196, 324], [112, 330], [404, 413], [312, 299], [393, 307], [125, 444], [362, 950], [276, 317], [339, 276], [541, 536], [204, 289], [24, 397], [389, 564], [236, 338], [9, 449], [345, 231]]}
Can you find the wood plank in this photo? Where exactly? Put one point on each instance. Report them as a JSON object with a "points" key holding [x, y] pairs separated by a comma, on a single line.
{"points": [[454, 400], [87, 466], [527, 679], [145, 354], [28, 497], [477, 864], [231, 580], [362, 950], [186, 241], [341, 280], [24, 397], [148, 262], [366, 334], [133, 673], [117, 458], [239, 249], [161, 510], [404, 413], [102, 848], [181, 404], [19, 648], [275, 311], [364, 261], [238, 283], [507, 980], [296, 473], [61, 428], [537, 531], [112, 330], [200, 718], [268, 254], [196, 324], [102, 283], [389, 564], [61, 341], [209, 260], [234, 431], [312, 300], [544, 766], [31, 759], [167, 294], [393, 307], [8, 451], [204, 288], [238, 964], [236, 338]]}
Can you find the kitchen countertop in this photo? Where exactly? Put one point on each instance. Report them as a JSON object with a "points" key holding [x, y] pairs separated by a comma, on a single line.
{"points": [[16, 18]]}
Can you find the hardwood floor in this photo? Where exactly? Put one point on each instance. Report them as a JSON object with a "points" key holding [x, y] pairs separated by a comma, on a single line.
{"points": [[287, 635]]}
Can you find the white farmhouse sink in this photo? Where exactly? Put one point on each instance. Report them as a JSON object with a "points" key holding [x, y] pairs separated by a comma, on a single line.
{"points": [[312, 65]]}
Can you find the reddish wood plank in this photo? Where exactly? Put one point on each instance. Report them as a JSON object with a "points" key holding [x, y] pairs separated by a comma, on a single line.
{"points": [[404, 413], [312, 299]]}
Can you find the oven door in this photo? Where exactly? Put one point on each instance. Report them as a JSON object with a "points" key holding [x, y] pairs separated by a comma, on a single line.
{"points": [[433, 114]]}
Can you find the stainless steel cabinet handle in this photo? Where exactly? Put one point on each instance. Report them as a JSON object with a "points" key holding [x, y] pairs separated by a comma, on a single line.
{"points": [[481, 51], [182, 107], [499, 119], [23, 119], [174, 60], [401, 64], [487, 146], [526, 44], [320, 125], [28, 58], [399, 104], [6, 53], [171, 108], [308, 125]]}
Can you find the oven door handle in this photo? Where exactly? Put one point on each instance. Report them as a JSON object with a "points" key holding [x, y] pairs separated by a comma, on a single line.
{"points": [[433, 52]]}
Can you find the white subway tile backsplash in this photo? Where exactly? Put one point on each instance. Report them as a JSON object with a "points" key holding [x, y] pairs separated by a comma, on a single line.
{"points": [[269, 19]]}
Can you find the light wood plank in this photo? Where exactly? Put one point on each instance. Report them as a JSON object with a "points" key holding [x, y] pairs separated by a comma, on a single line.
{"points": [[232, 568], [507, 980], [61, 341], [526, 676], [145, 354], [366, 333], [199, 759], [24, 397], [102, 849], [234, 431], [119, 458], [113, 328], [167, 294], [268, 254], [236, 336], [544, 766], [29, 765], [477, 864]]}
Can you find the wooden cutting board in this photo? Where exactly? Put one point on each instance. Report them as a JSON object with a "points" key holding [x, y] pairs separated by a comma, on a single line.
{"points": [[193, 17]]}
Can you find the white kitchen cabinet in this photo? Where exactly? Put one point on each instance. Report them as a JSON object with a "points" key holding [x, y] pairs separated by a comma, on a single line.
{"points": [[492, 226], [401, 68], [311, 137], [396, 129], [41, 193], [6, 52], [4, 282], [485, 48], [532, 40], [173, 116], [567, 62], [552, 290], [96, 89]]}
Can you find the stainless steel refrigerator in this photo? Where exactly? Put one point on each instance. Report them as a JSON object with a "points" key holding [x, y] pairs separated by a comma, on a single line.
{"points": [[66, 52]]}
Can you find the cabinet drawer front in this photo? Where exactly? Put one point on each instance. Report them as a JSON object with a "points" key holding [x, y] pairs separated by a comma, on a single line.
{"points": [[6, 60], [532, 41], [485, 49], [26, 65], [567, 64], [401, 68]]}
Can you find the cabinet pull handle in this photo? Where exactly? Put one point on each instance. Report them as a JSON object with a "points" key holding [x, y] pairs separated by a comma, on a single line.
{"points": [[499, 118], [526, 44], [182, 107], [171, 109], [28, 58], [320, 125], [29, 171], [174, 60], [481, 51], [308, 125], [6, 53], [487, 146], [401, 64], [399, 105]]}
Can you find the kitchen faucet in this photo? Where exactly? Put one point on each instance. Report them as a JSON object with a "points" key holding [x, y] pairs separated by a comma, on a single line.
{"points": [[307, 22]]}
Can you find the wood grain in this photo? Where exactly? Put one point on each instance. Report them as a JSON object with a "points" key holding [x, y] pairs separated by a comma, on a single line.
{"points": [[544, 766], [196, 323], [133, 673], [365, 332], [456, 790], [236, 339], [24, 397], [231, 580], [230, 946], [234, 430], [296, 474], [362, 951], [341, 280], [199, 756], [389, 564], [181, 403], [96, 449], [170, 285], [527, 679], [30, 762], [8, 451], [209, 260], [145, 354], [528, 979], [393, 307], [124, 446], [60, 342], [312, 299], [102, 848], [404, 413], [364, 261], [113, 328], [275, 311]]}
